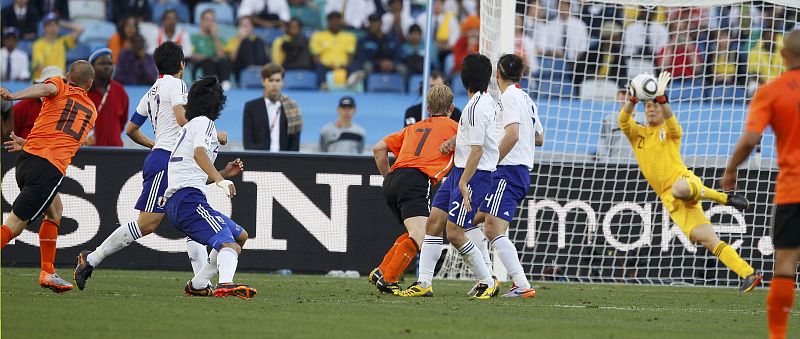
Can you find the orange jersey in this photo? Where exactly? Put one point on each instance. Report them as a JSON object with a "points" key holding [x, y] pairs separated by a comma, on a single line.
{"points": [[62, 125], [777, 104], [417, 146]]}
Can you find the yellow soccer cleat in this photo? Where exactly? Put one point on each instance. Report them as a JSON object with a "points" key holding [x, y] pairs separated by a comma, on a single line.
{"points": [[416, 290], [483, 292]]}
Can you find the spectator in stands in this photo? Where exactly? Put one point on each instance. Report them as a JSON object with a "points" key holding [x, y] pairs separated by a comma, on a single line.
{"points": [[110, 99], [273, 122], [332, 49], [24, 17], [169, 32], [265, 13], [764, 62], [645, 37], [59, 7], [7, 124], [136, 66], [209, 51], [468, 42], [463, 8], [307, 12], [396, 22], [446, 29], [563, 37], [412, 53], [354, 12], [724, 65], [378, 52], [534, 21], [139, 9], [414, 113], [680, 56], [51, 50], [13, 62], [27, 110], [595, 14], [604, 60], [343, 136], [246, 49], [291, 49], [126, 29]]}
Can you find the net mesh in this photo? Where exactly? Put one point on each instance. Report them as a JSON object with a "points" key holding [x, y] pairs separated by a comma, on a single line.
{"points": [[590, 215]]}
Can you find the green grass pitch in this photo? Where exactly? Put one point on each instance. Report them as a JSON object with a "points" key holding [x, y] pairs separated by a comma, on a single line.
{"points": [[150, 304]]}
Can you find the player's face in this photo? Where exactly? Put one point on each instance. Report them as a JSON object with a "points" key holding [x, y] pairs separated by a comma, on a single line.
{"points": [[654, 113]]}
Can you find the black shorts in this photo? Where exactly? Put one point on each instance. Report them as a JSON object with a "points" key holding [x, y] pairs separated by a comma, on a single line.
{"points": [[786, 226], [38, 181], [407, 192]]}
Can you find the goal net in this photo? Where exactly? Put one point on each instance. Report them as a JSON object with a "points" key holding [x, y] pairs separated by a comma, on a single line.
{"points": [[590, 215]]}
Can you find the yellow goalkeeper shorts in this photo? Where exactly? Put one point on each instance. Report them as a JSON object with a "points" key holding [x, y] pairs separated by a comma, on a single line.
{"points": [[686, 214]]}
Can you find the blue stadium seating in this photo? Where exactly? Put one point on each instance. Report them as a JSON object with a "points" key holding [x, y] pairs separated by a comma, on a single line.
{"points": [[385, 83], [223, 12], [414, 83], [80, 51], [458, 86], [96, 33], [554, 89], [300, 80], [685, 90], [726, 93], [25, 46], [250, 77], [268, 34], [181, 9]]}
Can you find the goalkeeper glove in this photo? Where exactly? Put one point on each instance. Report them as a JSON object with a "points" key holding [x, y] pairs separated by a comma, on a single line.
{"points": [[663, 82]]}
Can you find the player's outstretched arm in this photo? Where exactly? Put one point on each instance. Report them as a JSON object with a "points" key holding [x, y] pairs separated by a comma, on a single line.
{"points": [[381, 153], [133, 132], [205, 164], [35, 91], [509, 140], [475, 154], [539, 139], [180, 114]]}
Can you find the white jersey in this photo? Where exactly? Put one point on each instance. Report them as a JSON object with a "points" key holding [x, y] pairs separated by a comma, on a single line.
{"points": [[166, 93], [516, 107], [183, 170], [477, 127]]}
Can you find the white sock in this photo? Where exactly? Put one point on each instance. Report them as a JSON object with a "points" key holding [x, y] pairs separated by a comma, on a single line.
{"points": [[226, 263], [510, 258], [123, 236], [198, 256], [203, 277], [428, 257], [472, 256], [479, 240]]}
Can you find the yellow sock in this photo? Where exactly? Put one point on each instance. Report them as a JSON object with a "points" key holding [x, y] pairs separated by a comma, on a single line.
{"points": [[732, 260], [700, 192]]}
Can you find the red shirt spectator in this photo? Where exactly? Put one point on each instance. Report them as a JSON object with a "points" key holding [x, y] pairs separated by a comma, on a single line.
{"points": [[467, 43], [25, 113], [679, 60], [112, 115]]}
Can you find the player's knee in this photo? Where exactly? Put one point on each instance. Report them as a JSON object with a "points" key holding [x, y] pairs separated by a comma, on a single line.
{"points": [[242, 238], [232, 245], [681, 190], [148, 227]]}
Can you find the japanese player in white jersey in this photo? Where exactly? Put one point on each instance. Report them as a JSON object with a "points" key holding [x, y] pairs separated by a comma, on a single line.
{"points": [[519, 129], [164, 105], [464, 189], [191, 167]]}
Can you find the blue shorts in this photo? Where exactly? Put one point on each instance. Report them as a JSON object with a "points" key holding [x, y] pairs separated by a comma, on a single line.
{"points": [[154, 184], [189, 211], [448, 198], [510, 185]]}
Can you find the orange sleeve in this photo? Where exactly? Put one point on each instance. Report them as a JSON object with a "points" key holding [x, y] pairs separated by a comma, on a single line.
{"points": [[760, 112], [58, 82], [395, 141]]}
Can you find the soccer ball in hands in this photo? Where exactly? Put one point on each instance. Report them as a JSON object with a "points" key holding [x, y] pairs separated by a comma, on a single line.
{"points": [[644, 86]]}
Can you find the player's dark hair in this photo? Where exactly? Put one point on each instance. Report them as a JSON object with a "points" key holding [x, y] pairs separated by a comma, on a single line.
{"points": [[510, 67], [206, 98], [476, 72], [168, 57]]}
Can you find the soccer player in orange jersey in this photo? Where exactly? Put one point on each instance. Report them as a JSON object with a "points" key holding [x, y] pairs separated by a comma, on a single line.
{"points": [[407, 185], [778, 104], [66, 118]]}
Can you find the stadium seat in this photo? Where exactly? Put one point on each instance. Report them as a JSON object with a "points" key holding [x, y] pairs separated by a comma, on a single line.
{"points": [[554, 89], [300, 80], [96, 32], [553, 69], [25, 46], [87, 9], [158, 10], [415, 83], [458, 86], [268, 34], [598, 90], [726, 93], [226, 32], [685, 90], [385, 82], [223, 12], [250, 77], [80, 51]]}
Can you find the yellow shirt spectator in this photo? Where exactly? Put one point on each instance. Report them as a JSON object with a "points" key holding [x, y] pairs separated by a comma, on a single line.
{"points": [[51, 53], [277, 50], [766, 65], [334, 50]]}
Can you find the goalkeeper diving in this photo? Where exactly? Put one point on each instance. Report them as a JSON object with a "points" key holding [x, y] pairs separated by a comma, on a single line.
{"points": [[657, 150]]}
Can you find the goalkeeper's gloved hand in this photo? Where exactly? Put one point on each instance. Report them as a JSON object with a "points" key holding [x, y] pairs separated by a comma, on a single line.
{"points": [[663, 83], [632, 93]]}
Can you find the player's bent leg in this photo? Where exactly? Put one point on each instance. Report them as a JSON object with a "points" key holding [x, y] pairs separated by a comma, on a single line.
{"points": [[48, 234], [472, 257], [496, 229], [705, 235], [12, 227], [198, 255], [227, 261], [377, 272], [124, 235], [780, 298], [691, 188], [405, 252], [430, 252]]}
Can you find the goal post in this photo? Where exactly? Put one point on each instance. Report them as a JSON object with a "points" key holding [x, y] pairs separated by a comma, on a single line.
{"points": [[590, 215]]}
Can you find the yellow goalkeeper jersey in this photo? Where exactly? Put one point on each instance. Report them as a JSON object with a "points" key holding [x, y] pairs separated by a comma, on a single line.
{"points": [[657, 150]]}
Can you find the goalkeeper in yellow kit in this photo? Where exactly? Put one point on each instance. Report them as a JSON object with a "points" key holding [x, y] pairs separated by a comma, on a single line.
{"points": [[657, 150]]}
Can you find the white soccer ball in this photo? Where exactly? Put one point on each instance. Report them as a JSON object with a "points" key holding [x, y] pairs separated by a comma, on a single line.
{"points": [[645, 86]]}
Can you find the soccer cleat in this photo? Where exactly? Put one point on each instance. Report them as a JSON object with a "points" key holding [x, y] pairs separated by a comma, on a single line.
{"points": [[484, 292], [737, 201], [518, 292], [416, 290], [54, 282], [750, 282], [475, 287], [373, 276], [385, 287], [240, 291], [83, 271], [496, 286], [190, 291]]}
